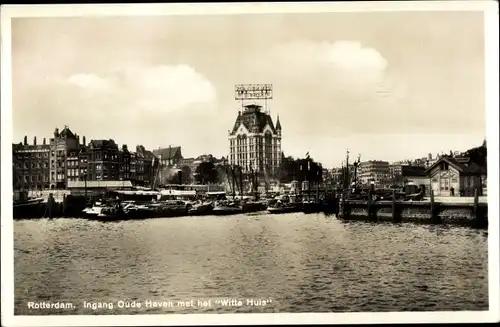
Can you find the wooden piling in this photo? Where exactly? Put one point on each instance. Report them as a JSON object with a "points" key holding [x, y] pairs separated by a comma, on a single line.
{"points": [[396, 216], [476, 203], [50, 206], [434, 210], [64, 205], [478, 212], [371, 207]]}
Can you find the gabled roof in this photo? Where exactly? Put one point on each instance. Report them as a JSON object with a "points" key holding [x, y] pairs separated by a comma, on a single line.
{"points": [[254, 120], [66, 132], [167, 153], [103, 143], [413, 171], [463, 165], [148, 154]]}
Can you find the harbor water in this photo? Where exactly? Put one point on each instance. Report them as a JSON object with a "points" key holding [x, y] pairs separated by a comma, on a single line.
{"points": [[293, 262]]}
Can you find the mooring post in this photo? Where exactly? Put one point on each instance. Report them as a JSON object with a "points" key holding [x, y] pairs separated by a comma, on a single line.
{"points": [[476, 206], [64, 205], [434, 211], [370, 206], [50, 206], [395, 216], [345, 206]]}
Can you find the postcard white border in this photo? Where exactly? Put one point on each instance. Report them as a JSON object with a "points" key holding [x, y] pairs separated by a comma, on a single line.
{"points": [[492, 105]]}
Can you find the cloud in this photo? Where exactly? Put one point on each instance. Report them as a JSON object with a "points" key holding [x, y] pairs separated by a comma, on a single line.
{"points": [[158, 89], [89, 82], [347, 65]]}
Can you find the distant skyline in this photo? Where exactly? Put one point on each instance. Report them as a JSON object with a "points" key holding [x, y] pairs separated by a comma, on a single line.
{"points": [[388, 85]]}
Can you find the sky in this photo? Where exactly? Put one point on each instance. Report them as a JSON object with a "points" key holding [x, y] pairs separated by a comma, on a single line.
{"points": [[385, 85]]}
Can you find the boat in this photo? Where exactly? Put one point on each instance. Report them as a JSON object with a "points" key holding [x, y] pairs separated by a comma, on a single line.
{"points": [[111, 212], [93, 211], [284, 204], [253, 206], [201, 208], [284, 208], [227, 208], [28, 208], [311, 206], [161, 209]]}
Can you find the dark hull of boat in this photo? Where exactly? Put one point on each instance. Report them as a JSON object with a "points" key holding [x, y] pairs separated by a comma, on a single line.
{"points": [[288, 209], [253, 207], [137, 214], [28, 210], [312, 207], [200, 211], [226, 211], [145, 214]]}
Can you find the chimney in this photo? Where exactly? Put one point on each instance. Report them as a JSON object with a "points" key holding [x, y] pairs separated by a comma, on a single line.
{"points": [[84, 143], [34, 140], [25, 140], [44, 141], [78, 139]]}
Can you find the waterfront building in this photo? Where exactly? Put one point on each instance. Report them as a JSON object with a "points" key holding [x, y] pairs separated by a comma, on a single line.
{"points": [[103, 164], [137, 168], [60, 145], [169, 157], [149, 166], [395, 169], [30, 165], [189, 162], [456, 176], [415, 175], [254, 141], [73, 165], [169, 162], [374, 171], [124, 163]]}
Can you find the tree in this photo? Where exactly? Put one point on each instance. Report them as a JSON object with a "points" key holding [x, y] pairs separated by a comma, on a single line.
{"points": [[175, 178], [187, 174], [286, 170], [206, 173], [478, 155]]}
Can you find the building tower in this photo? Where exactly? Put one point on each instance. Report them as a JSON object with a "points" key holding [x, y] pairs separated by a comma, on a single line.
{"points": [[254, 141]]}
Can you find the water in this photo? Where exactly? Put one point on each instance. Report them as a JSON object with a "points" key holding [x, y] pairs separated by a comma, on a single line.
{"points": [[302, 263]]}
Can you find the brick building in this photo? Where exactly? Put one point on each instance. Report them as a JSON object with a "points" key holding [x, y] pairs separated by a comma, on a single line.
{"points": [[30, 165], [103, 162], [149, 168], [61, 145], [64, 159], [124, 156]]}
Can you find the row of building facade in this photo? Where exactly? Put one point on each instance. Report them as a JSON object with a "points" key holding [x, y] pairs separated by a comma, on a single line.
{"points": [[451, 174], [66, 158]]}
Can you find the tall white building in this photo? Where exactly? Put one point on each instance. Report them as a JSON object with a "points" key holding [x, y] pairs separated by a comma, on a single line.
{"points": [[254, 141]]}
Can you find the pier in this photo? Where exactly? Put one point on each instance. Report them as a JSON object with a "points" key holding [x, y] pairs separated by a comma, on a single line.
{"points": [[468, 211]]}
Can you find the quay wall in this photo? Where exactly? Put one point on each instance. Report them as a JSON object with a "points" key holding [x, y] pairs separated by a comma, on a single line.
{"points": [[469, 214]]}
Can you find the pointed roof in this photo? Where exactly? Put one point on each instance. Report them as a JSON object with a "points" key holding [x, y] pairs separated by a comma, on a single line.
{"points": [[168, 153], [278, 124], [253, 119], [66, 132], [463, 165]]}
